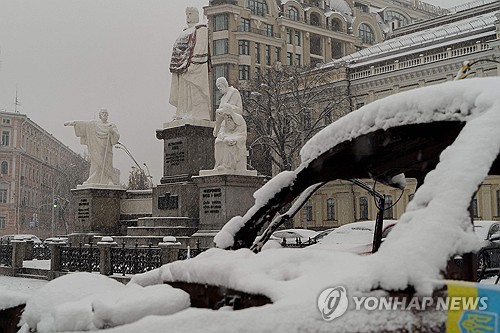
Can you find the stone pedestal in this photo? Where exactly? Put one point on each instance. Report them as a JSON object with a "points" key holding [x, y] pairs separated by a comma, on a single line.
{"points": [[188, 148], [98, 210], [223, 196]]}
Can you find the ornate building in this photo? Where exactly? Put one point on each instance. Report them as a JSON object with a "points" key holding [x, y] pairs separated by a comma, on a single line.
{"points": [[36, 175], [416, 55], [249, 36]]}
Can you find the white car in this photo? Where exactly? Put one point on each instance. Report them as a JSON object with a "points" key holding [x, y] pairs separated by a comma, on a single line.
{"points": [[354, 237]]}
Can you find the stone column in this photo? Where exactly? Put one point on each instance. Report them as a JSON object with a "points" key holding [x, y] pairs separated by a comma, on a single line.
{"points": [[105, 246], [169, 250], [18, 251], [28, 251], [55, 260]]}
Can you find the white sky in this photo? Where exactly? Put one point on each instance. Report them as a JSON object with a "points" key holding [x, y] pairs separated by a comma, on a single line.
{"points": [[69, 58]]}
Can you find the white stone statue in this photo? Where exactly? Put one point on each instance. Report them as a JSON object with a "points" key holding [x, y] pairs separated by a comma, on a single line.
{"points": [[230, 130], [99, 136], [189, 90]]}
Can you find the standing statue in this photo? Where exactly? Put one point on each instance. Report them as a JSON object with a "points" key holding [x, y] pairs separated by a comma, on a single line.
{"points": [[99, 136], [230, 130], [189, 67]]}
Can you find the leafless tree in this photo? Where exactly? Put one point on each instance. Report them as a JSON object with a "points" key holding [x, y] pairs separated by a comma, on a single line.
{"points": [[286, 106], [138, 180]]}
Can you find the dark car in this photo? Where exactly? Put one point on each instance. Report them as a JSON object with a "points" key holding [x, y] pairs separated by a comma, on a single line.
{"points": [[488, 257]]}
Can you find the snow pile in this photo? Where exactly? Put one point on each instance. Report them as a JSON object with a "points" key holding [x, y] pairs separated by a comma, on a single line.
{"points": [[10, 299], [85, 301]]}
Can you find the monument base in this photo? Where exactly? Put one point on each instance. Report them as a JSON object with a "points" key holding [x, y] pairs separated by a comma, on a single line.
{"points": [[99, 186], [98, 210], [223, 196], [204, 238]]}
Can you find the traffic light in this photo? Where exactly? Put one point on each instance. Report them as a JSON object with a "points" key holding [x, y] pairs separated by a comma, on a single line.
{"points": [[54, 203]]}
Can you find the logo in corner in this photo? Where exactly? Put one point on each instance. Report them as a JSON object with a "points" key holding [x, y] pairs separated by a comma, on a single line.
{"points": [[333, 303]]}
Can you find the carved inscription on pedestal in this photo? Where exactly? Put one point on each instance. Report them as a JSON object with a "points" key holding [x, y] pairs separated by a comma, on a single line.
{"points": [[212, 200], [83, 210], [174, 152]]}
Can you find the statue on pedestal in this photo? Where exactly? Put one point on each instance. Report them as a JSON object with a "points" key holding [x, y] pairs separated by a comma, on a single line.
{"points": [[189, 90], [230, 130], [99, 136]]}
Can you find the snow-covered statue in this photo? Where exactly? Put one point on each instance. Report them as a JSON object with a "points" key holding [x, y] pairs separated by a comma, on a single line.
{"points": [[99, 136], [189, 67], [230, 130]]}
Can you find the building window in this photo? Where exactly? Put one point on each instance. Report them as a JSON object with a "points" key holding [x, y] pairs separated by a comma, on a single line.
{"points": [[257, 53], [220, 22], [4, 169], [314, 19], [3, 222], [298, 60], [336, 25], [3, 195], [288, 36], [289, 56], [244, 72], [392, 16], [297, 40], [220, 46], [330, 209], [363, 208], [6, 121], [244, 24], [5, 138], [366, 33], [277, 52], [315, 44], [475, 211], [308, 211], [268, 55], [268, 30], [293, 13], [257, 7], [244, 47], [337, 49], [498, 202], [388, 208]]}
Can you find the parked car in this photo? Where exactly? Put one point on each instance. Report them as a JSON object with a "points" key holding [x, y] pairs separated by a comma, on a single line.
{"points": [[356, 237], [294, 236], [25, 237], [488, 233], [321, 235]]}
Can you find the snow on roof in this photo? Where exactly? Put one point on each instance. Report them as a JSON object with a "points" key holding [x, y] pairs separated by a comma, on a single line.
{"points": [[341, 6], [469, 26]]}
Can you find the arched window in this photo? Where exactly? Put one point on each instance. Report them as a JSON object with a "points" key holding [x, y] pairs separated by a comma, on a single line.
{"points": [[363, 208], [258, 7], [4, 169], [336, 25], [314, 19], [330, 209], [366, 33], [390, 15], [388, 209], [293, 13]]}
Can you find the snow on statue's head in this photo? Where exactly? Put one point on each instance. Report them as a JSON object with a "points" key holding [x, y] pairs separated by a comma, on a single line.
{"points": [[192, 15]]}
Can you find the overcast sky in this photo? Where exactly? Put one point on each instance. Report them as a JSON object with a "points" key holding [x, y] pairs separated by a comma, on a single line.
{"points": [[69, 58]]}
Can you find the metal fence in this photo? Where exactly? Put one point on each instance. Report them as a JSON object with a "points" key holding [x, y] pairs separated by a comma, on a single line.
{"points": [[134, 260]]}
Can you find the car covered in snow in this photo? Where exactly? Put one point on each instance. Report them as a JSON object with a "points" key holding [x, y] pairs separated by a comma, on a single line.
{"points": [[294, 236], [445, 136], [356, 237]]}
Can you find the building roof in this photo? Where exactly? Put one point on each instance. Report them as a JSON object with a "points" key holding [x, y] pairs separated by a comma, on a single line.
{"points": [[468, 27]]}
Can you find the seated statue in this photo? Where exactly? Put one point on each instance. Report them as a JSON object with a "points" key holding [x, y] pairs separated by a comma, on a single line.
{"points": [[230, 140]]}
